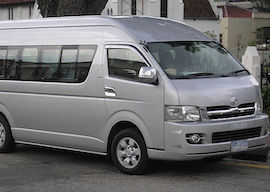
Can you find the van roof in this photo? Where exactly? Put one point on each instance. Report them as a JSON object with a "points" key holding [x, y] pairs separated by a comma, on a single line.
{"points": [[140, 28]]}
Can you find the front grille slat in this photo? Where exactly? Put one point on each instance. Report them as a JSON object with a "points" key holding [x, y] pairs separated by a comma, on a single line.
{"points": [[218, 137], [234, 138], [224, 112], [237, 135]]}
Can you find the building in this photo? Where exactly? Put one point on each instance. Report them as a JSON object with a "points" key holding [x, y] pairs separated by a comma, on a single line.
{"points": [[173, 9], [242, 27], [203, 15], [18, 9], [200, 14]]}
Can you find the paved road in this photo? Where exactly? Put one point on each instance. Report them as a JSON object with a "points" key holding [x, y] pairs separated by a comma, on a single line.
{"points": [[34, 169]]}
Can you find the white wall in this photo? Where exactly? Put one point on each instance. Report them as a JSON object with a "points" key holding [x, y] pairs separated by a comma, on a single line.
{"points": [[4, 14], [20, 12], [205, 25], [152, 8], [112, 7], [176, 10], [145, 7], [251, 60]]}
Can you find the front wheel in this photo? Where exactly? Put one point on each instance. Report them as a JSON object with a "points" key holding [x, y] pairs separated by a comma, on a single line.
{"points": [[129, 152]]}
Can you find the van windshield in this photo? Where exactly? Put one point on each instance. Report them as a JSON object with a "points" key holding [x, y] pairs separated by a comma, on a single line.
{"points": [[188, 60]]}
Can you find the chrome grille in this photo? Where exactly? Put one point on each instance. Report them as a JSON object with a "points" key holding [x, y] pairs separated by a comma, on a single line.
{"points": [[218, 137], [224, 112]]}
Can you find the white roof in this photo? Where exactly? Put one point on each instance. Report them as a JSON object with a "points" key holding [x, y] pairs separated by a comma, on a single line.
{"points": [[147, 29]]}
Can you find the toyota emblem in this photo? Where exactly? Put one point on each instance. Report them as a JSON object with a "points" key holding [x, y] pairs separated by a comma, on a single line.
{"points": [[234, 101]]}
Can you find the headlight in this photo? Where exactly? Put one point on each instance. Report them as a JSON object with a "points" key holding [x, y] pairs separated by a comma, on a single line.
{"points": [[259, 107], [182, 114]]}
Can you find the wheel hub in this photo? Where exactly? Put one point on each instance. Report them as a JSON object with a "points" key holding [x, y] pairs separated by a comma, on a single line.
{"points": [[2, 135], [128, 152]]}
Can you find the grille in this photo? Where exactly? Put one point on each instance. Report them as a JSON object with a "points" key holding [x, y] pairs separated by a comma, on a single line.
{"points": [[224, 112], [218, 137]]}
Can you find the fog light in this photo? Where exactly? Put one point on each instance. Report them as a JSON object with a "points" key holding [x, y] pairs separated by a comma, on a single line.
{"points": [[194, 138]]}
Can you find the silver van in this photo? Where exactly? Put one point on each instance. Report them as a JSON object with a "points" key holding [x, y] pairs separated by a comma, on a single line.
{"points": [[133, 88]]}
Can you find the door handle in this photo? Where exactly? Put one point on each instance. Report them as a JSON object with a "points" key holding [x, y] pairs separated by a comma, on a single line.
{"points": [[110, 92]]}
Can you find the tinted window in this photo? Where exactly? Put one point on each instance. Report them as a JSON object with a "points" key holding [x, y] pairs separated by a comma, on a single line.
{"points": [[85, 58], [29, 63], [12, 63], [194, 59], [50, 58], [68, 63], [124, 63], [47, 63], [3, 55]]}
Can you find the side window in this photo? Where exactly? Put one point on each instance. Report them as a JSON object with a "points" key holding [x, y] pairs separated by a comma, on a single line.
{"points": [[50, 58], [12, 63], [124, 63], [3, 56], [68, 63], [29, 63], [85, 59]]}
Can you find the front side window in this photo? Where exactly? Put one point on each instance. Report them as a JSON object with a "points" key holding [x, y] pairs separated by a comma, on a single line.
{"points": [[195, 60], [124, 63]]}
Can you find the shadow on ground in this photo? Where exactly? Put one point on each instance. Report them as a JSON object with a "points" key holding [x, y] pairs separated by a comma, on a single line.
{"points": [[191, 168]]}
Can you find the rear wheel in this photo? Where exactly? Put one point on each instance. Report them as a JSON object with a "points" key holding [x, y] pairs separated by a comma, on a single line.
{"points": [[129, 152], [7, 143]]}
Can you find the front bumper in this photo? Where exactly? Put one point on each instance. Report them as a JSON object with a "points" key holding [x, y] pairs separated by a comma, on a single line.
{"points": [[177, 147]]}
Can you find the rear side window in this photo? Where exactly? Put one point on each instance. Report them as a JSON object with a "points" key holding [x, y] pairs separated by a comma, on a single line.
{"points": [[85, 57], [12, 63], [70, 64], [50, 59], [29, 63], [3, 56], [124, 63]]}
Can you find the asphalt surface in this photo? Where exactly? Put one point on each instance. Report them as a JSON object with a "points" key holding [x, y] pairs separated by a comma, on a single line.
{"points": [[35, 169]]}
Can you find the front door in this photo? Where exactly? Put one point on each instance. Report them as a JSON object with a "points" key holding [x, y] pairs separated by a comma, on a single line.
{"points": [[131, 99]]}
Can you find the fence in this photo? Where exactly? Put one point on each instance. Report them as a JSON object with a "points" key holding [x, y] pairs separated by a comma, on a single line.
{"points": [[265, 85]]}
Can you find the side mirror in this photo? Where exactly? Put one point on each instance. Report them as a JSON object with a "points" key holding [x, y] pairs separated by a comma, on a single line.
{"points": [[148, 75]]}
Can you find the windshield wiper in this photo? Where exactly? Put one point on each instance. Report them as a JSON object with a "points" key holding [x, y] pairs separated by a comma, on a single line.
{"points": [[192, 75], [200, 74], [234, 73]]}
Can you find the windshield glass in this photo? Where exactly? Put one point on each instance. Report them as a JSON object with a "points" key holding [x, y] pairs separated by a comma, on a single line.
{"points": [[181, 60]]}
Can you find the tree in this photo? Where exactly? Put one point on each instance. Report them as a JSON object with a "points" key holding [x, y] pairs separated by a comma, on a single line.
{"points": [[211, 34], [262, 5], [58, 8]]}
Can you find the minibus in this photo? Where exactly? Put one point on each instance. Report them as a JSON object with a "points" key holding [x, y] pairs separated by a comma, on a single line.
{"points": [[133, 88]]}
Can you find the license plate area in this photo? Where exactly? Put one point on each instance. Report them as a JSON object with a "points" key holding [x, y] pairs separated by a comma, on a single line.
{"points": [[239, 145]]}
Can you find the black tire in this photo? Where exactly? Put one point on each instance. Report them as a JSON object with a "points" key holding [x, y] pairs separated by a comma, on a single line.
{"points": [[142, 164], [7, 143]]}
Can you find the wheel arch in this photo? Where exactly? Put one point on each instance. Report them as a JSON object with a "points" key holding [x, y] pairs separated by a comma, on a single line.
{"points": [[5, 113], [123, 120]]}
